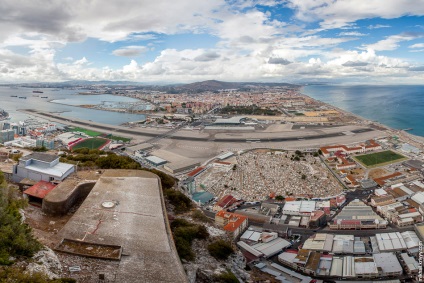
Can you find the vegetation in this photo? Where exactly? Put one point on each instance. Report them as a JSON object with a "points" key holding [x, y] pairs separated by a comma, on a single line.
{"points": [[94, 158], [226, 277], [39, 149], [200, 216], [16, 156], [15, 274], [184, 234], [379, 158], [16, 239], [180, 201], [279, 198], [220, 249], [249, 110], [167, 181]]}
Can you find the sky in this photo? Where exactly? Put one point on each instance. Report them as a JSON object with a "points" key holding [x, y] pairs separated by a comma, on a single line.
{"points": [[181, 41]]}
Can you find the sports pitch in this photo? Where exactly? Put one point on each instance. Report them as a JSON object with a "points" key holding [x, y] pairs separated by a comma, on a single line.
{"points": [[379, 158], [91, 143]]}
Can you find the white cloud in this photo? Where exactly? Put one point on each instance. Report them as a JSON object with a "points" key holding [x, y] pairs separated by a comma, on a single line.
{"points": [[417, 45], [336, 14], [352, 33], [378, 26], [130, 51], [82, 61], [392, 42]]}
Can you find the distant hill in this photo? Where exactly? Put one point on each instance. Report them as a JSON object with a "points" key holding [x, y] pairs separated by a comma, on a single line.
{"points": [[213, 85], [210, 85]]}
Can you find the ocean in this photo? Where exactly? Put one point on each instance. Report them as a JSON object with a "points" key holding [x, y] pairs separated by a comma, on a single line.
{"points": [[64, 100], [399, 107]]}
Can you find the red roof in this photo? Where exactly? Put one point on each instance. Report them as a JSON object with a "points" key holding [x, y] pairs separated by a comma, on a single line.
{"points": [[382, 180], [226, 201], [196, 171], [40, 189]]}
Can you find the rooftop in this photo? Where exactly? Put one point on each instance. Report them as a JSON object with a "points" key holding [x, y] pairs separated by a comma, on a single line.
{"points": [[120, 203], [40, 189], [40, 157]]}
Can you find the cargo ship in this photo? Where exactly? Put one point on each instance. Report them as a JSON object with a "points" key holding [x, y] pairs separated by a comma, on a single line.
{"points": [[37, 91]]}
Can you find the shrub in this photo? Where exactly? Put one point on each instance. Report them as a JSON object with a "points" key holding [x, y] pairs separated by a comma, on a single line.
{"points": [[220, 249], [179, 200], [184, 234], [226, 277], [200, 216], [16, 239]]}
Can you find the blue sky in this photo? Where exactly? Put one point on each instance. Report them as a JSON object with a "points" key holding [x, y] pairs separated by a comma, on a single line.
{"points": [[163, 41]]}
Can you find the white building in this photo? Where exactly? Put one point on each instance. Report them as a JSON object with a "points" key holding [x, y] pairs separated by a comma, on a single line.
{"points": [[41, 167], [299, 207]]}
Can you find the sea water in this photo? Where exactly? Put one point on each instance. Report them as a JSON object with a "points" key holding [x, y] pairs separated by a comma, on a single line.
{"points": [[399, 107]]}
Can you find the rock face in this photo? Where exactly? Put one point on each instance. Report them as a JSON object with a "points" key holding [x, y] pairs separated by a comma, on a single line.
{"points": [[47, 262]]}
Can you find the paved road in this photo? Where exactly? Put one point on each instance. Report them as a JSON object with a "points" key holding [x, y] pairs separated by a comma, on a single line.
{"points": [[69, 121]]}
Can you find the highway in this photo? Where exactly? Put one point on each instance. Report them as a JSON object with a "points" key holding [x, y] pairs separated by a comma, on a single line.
{"points": [[108, 128]]}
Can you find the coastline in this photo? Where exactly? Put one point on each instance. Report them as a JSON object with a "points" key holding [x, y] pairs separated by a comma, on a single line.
{"points": [[412, 139]]}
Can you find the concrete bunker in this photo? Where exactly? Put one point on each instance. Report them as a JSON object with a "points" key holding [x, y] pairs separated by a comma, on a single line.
{"points": [[65, 196]]}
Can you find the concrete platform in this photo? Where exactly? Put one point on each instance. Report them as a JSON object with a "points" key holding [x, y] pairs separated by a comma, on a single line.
{"points": [[125, 208]]}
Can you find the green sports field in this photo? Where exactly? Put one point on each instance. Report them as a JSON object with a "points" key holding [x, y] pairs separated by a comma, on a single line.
{"points": [[87, 132], [91, 143], [379, 158]]}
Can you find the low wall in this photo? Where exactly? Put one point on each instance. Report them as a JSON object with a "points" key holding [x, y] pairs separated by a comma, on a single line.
{"points": [[63, 199]]}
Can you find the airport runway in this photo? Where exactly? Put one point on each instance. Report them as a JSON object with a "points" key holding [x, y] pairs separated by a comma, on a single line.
{"points": [[117, 130]]}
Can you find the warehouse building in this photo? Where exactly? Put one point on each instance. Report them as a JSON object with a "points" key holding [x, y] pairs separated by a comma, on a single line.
{"points": [[387, 264], [357, 215], [155, 161], [409, 263], [319, 242], [181, 166], [299, 207]]}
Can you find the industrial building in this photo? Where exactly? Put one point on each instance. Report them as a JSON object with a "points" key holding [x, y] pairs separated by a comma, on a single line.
{"points": [[409, 263], [225, 155], [299, 207], [233, 121], [264, 249], [392, 242], [357, 215], [181, 166], [41, 167], [155, 161]]}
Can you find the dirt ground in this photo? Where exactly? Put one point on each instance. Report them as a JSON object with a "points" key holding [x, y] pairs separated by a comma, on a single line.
{"points": [[46, 229], [377, 173]]}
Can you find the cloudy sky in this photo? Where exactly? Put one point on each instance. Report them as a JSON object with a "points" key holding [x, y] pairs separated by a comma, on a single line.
{"points": [[164, 41]]}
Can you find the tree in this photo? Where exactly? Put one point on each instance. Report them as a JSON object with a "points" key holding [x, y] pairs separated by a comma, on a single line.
{"points": [[303, 176], [279, 198]]}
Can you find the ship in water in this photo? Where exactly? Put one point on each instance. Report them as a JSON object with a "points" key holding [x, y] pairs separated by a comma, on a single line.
{"points": [[4, 115], [37, 91]]}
